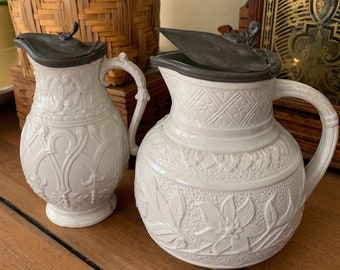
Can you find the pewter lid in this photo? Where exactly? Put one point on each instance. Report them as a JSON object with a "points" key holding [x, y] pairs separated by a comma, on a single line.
{"points": [[216, 58], [61, 50]]}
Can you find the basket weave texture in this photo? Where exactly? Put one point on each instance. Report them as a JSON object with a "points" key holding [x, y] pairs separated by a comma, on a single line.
{"points": [[124, 25]]}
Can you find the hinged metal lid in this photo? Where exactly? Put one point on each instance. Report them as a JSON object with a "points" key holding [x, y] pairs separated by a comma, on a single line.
{"points": [[61, 50], [217, 58]]}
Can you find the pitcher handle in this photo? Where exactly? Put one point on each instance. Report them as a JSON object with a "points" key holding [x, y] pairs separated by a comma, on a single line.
{"points": [[318, 165], [142, 95]]}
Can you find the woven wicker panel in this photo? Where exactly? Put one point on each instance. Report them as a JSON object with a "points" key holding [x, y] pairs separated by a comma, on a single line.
{"points": [[124, 25]]}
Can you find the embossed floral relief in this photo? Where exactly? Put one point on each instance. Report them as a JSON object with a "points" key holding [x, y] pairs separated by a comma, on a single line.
{"points": [[167, 227], [233, 223], [228, 227], [219, 167]]}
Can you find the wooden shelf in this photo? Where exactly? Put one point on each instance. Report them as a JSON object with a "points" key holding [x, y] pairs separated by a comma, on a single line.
{"points": [[30, 241]]}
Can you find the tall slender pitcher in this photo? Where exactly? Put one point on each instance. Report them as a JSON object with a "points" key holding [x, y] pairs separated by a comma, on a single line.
{"points": [[74, 145]]}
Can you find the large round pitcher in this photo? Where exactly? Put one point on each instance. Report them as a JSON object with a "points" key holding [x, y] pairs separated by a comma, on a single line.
{"points": [[219, 182]]}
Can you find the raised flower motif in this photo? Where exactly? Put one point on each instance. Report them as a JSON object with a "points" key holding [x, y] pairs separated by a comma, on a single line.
{"points": [[167, 227], [227, 227]]}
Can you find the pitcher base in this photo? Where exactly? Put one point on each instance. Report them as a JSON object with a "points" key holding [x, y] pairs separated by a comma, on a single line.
{"points": [[81, 219]]}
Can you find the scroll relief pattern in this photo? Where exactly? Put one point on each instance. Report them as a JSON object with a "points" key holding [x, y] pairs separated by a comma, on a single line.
{"points": [[60, 159]]}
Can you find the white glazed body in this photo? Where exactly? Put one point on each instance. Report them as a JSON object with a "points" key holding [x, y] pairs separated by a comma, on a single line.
{"points": [[219, 183], [74, 145]]}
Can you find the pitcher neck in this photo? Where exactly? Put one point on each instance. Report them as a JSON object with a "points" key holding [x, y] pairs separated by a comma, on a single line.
{"points": [[70, 94], [207, 114]]}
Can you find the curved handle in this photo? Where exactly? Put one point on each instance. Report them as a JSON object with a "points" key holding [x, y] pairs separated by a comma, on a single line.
{"points": [[318, 165], [142, 95]]}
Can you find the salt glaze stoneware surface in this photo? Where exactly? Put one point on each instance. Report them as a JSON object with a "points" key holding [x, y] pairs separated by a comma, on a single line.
{"points": [[74, 146], [219, 183]]}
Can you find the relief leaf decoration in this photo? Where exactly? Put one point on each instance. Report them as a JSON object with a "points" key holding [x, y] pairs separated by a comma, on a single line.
{"points": [[170, 214], [180, 243], [222, 245], [163, 232], [270, 215], [246, 212], [246, 161], [211, 215], [190, 158], [228, 208], [173, 211], [177, 207], [142, 202], [252, 230]]}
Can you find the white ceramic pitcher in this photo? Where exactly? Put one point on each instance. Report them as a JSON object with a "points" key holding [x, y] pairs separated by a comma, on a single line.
{"points": [[219, 183], [74, 145]]}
